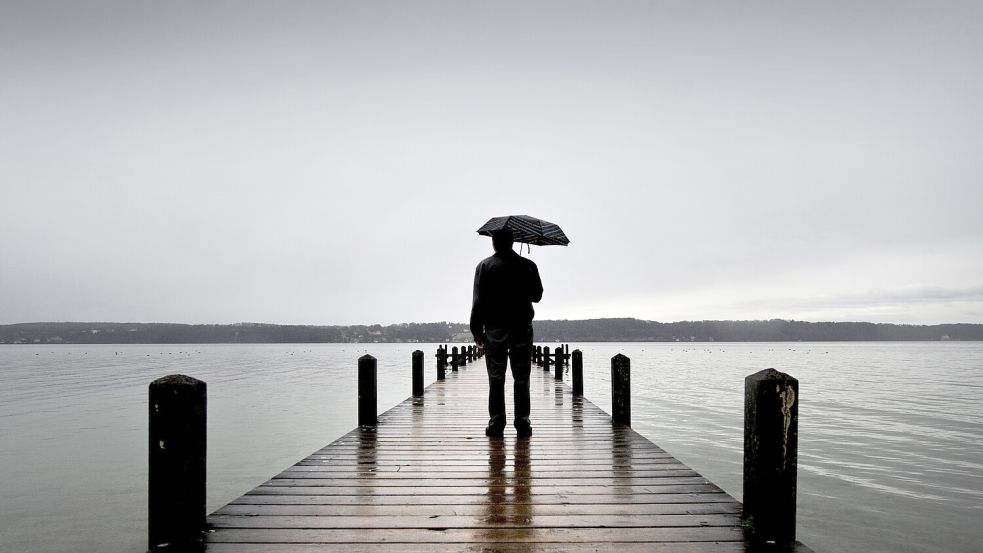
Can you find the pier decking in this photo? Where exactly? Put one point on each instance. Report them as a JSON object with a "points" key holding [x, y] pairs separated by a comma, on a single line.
{"points": [[427, 479]]}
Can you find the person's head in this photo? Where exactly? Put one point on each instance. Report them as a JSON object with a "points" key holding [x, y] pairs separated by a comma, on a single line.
{"points": [[502, 240]]}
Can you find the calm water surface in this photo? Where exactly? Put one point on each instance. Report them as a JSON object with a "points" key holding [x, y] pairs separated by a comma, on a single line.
{"points": [[890, 434]]}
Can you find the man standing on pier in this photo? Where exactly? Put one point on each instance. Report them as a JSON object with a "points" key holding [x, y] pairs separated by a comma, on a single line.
{"points": [[505, 287]]}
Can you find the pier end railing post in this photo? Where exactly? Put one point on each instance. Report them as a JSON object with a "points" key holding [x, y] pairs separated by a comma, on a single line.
{"points": [[577, 371], [558, 372], [367, 391], [621, 390], [441, 362], [455, 359], [546, 358], [176, 472], [417, 373], [771, 439]]}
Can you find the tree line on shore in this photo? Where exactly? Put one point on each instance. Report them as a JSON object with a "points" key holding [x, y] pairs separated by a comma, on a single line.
{"points": [[592, 330]]}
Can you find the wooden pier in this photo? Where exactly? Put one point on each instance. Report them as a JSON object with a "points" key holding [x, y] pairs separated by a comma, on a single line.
{"points": [[426, 479]]}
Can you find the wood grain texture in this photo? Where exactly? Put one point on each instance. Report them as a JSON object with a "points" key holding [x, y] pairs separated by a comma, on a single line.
{"points": [[427, 479]]}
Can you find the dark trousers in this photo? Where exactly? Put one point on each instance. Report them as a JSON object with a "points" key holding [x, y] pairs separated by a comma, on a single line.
{"points": [[514, 346]]}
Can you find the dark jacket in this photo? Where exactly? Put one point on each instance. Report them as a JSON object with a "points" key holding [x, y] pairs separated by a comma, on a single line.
{"points": [[505, 287]]}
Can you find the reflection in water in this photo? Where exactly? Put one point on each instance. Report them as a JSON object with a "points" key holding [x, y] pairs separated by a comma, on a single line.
{"points": [[508, 516]]}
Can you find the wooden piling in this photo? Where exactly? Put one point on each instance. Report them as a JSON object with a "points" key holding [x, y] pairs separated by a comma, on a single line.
{"points": [[176, 472], [771, 440], [455, 359], [441, 362], [417, 373], [621, 390], [577, 370], [367, 398], [546, 358], [558, 372]]}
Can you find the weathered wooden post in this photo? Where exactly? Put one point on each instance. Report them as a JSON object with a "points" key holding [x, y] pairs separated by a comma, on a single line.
{"points": [[771, 442], [578, 372], [441, 362], [546, 358], [455, 359], [417, 373], [558, 373], [367, 399], [566, 354], [176, 475], [538, 355], [621, 389]]}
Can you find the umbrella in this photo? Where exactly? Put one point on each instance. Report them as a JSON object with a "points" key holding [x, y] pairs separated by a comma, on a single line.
{"points": [[527, 230]]}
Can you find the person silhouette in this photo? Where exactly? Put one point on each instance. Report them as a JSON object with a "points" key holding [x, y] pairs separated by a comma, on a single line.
{"points": [[505, 287]]}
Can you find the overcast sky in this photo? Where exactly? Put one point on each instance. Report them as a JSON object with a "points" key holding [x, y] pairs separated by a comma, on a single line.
{"points": [[329, 162]]}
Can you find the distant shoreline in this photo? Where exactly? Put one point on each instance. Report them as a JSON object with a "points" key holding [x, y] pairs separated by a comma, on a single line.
{"points": [[590, 330]]}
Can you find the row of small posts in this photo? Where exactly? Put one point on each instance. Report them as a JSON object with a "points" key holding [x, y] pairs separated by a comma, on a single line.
{"points": [[468, 354], [177, 430]]}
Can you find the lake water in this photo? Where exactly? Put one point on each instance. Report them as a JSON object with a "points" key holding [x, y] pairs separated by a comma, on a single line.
{"points": [[890, 434]]}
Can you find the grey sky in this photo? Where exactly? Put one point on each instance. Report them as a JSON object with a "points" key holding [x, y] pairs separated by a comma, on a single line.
{"points": [[329, 162]]}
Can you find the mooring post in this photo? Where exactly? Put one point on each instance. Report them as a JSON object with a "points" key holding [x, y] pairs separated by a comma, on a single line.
{"points": [[176, 472], [455, 359], [621, 389], [771, 442], [578, 372], [441, 362], [538, 355], [566, 354], [558, 373], [417, 373], [546, 358], [367, 399]]}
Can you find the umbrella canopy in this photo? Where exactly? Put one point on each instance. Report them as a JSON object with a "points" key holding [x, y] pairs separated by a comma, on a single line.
{"points": [[527, 230]]}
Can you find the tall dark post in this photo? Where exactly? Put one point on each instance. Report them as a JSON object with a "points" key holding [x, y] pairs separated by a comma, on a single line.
{"points": [[578, 372], [546, 358], [417, 373], [771, 442], [566, 354], [539, 356], [558, 372], [441, 362], [367, 399], [621, 389], [455, 359], [176, 493]]}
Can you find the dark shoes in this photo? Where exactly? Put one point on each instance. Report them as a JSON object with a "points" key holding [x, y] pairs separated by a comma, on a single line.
{"points": [[496, 426], [496, 429], [523, 428]]}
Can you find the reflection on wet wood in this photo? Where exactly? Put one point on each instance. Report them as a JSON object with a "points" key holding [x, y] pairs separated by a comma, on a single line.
{"points": [[427, 479]]}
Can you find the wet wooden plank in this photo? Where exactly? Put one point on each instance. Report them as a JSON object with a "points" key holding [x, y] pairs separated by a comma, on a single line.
{"points": [[481, 547], [481, 508], [437, 534], [427, 479]]}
